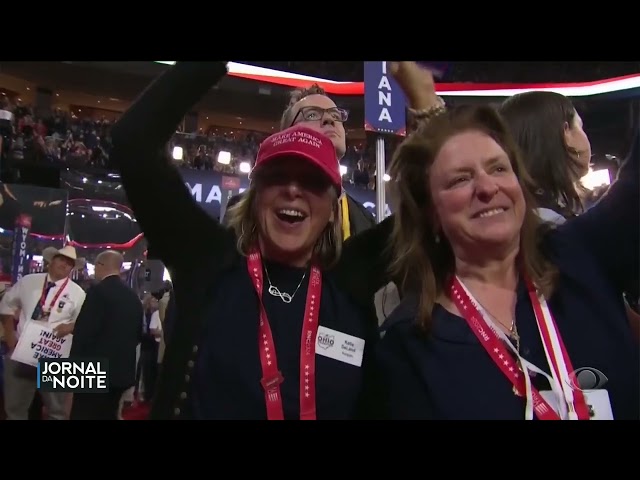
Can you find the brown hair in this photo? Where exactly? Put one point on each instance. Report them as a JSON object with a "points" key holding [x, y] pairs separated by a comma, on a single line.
{"points": [[536, 121], [242, 218], [294, 97], [424, 265]]}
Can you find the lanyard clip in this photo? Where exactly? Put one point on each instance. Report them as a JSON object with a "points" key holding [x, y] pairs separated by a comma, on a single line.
{"points": [[273, 382]]}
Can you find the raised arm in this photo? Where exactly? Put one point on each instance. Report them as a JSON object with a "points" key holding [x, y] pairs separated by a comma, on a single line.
{"points": [[161, 202], [419, 88], [365, 261], [366, 257], [611, 228]]}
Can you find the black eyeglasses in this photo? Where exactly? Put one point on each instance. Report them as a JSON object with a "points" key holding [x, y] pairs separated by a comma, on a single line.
{"points": [[316, 114]]}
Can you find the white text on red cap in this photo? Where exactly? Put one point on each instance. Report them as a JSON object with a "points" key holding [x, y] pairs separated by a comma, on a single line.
{"points": [[300, 137]]}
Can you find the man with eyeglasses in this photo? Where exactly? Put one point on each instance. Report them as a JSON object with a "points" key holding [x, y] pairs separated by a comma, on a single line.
{"points": [[316, 110]]}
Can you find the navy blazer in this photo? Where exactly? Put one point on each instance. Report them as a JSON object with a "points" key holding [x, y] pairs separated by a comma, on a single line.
{"points": [[449, 375]]}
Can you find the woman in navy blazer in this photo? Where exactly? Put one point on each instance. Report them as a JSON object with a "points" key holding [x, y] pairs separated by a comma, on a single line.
{"points": [[506, 317]]}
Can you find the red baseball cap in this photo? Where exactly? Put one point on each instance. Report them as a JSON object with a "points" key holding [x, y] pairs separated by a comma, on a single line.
{"points": [[306, 144]]}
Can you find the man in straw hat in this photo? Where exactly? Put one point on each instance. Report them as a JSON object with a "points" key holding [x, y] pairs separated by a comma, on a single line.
{"points": [[51, 298], [35, 410]]}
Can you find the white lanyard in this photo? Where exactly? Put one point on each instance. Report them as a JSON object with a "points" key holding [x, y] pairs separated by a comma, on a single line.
{"points": [[556, 357], [555, 383]]}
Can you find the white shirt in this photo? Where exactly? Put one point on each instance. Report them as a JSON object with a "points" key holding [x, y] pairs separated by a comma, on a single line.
{"points": [[6, 115], [155, 323], [548, 215], [26, 293]]}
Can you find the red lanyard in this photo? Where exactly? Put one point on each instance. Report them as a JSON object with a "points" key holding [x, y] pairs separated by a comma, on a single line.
{"points": [[503, 359], [271, 375], [558, 352], [43, 296]]}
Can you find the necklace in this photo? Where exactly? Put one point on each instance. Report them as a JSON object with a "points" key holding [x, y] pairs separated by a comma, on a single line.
{"points": [[514, 335], [513, 329], [275, 291], [514, 338]]}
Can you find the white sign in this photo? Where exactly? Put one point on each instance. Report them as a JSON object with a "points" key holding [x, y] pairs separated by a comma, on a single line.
{"points": [[38, 341]]}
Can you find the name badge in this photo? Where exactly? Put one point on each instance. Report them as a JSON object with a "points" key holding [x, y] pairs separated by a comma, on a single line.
{"points": [[598, 403], [339, 346]]}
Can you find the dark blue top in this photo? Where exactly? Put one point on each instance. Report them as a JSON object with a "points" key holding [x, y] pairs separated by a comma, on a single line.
{"points": [[211, 368], [449, 375], [228, 371]]}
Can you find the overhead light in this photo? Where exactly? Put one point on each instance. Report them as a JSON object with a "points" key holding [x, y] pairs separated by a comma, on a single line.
{"points": [[343, 170], [177, 153], [245, 167], [224, 157]]}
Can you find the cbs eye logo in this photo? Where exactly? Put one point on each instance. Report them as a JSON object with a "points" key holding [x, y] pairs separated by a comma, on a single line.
{"points": [[587, 378]]}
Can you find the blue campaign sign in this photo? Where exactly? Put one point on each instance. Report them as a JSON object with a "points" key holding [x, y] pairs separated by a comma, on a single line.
{"points": [[21, 247], [384, 101]]}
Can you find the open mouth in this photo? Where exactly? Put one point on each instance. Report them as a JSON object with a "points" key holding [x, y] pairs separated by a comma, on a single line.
{"points": [[291, 216], [490, 213]]}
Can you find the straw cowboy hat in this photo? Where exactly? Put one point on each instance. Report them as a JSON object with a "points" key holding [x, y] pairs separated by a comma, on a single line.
{"points": [[66, 251]]}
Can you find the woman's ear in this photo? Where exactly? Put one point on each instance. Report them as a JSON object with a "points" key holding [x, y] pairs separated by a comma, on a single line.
{"points": [[568, 135]]}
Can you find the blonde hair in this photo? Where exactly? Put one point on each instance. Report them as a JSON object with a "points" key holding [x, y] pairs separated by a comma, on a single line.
{"points": [[242, 218], [423, 262]]}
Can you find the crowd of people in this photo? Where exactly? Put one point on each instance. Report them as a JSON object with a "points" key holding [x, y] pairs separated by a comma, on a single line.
{"points": [[61, 137], [24, 401], [493, 275]]}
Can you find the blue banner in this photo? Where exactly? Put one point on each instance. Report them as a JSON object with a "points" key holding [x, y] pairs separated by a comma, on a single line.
{"points": [[21, 248], [384, 101], [207, 190]]}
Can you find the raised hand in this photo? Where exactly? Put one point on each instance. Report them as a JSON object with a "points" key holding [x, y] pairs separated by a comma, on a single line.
{"points": [[416, 82]]}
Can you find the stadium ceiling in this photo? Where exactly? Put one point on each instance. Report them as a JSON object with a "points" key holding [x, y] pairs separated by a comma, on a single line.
{"points": [[126, 80], [243, 103], [474, 71]]}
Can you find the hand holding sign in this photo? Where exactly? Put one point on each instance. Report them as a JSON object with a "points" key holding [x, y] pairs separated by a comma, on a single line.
{"points": [[38, 340], [63, 330]]}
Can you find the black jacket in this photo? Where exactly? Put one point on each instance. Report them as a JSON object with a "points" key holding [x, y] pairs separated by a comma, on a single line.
{"points": [[110, 326], [190, 243]]}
